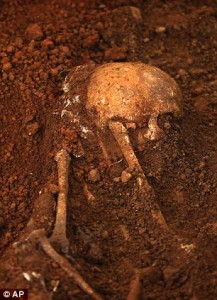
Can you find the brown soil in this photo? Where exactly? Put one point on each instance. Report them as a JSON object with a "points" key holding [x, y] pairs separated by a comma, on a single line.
{"points": [[113, 236]]}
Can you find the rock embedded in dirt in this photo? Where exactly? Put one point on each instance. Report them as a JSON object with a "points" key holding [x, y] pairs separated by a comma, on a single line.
{"points": [[10, 49], [94, 175], [160, 29], [6, 66], [18, 42], [18, 54], [53, 188], [116, 179], [32, 128], [5, 59], [54, 72], [47, 43], [125, 176], [198, 90], [136, 12]]}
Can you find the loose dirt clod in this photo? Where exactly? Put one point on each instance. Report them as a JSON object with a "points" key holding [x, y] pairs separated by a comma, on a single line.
{"points": [[58, 237]]}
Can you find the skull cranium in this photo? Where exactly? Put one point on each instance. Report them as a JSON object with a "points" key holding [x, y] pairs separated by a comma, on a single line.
{"points": [[128, 92], [116, 95]]}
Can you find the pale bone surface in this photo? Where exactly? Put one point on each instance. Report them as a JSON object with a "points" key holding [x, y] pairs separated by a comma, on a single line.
{"points": [[116, 96], [130, 91]]}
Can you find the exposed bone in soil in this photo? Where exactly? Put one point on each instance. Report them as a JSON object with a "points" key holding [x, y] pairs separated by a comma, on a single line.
{"points": [[58, 237], [113, 234], [41, 238]]}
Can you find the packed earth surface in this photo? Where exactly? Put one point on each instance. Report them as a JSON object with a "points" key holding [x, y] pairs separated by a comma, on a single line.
{"points": [[115, 244]]}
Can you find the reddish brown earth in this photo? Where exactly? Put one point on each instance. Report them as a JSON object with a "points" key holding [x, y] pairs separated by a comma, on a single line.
{"points": [[112, 236]]}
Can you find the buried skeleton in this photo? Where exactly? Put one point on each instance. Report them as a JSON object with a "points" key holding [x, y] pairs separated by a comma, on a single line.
{"points": [[114, 98]]}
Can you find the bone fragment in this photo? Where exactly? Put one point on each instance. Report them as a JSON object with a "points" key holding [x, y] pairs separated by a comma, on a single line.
{"points": [[39, 235], [121, 135], [88, 195], [42, 214], [154, 131], [159, 218], [135, 286], [58, 237]]}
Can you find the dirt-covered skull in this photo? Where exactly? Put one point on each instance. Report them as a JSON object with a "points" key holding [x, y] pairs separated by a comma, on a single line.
{"points": [[110, 98], [130, 92]]}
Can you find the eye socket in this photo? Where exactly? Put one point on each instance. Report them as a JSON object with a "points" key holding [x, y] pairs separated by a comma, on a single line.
{"points": [[165, 121]]}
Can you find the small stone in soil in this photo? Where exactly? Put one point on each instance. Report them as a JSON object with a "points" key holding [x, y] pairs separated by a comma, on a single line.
{"points": [[54, 71], [167, 125], [160, 29], [53, 188], [48, 44], [136, 12], [116, 179], [32, 128], [125, 176], [6, 67], [10, 49], [94, 175]]}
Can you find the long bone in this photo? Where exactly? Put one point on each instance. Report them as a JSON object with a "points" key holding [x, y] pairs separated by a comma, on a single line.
{"points": [[39, 236], [121, 135], [58, 237]]}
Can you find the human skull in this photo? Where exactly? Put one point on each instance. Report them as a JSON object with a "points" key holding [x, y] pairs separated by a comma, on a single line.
{"points": [[130, 92], [103, 101], [116, 96]]}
